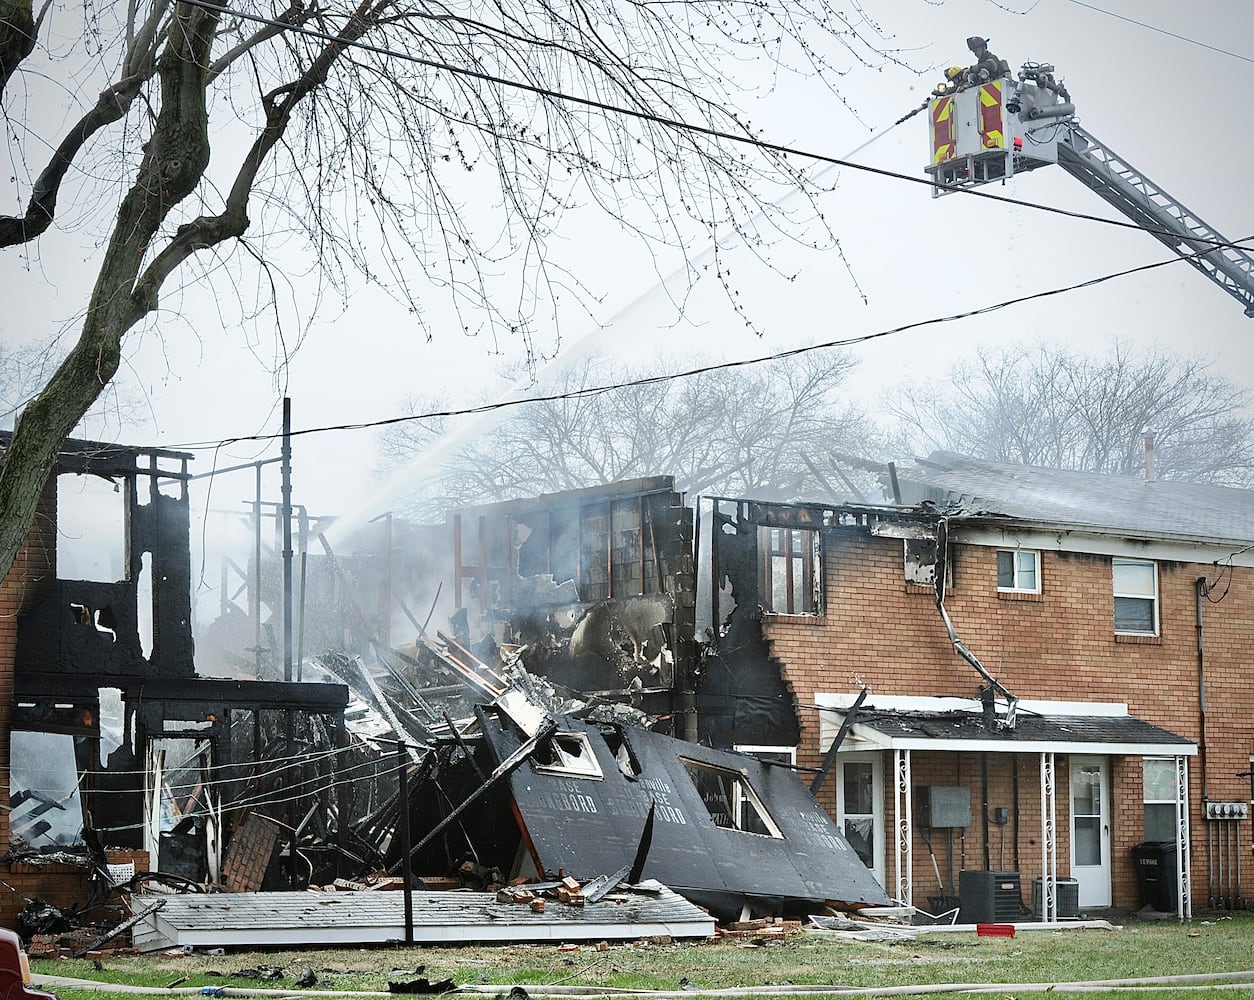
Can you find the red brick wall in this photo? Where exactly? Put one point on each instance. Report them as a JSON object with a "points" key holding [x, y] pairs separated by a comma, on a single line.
{"points": [[33, 569], [1060, 645]]}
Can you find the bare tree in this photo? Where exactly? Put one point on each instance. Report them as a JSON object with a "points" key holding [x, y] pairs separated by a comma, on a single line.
{"points": [[743, 431], [361, 121], [1060, 409]]}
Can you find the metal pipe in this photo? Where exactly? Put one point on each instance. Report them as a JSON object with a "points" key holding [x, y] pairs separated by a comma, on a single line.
{"points": [[1062, 110], [407, 874], [287, 539], [984, 809], [255, 602]]}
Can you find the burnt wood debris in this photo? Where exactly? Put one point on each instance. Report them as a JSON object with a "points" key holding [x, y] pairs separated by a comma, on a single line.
{"points": [[540, 744]]}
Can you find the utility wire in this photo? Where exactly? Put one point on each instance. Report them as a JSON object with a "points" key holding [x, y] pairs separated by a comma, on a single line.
{"points": [[1163, 31], [700, 370], [675, 123], [698, 129]]}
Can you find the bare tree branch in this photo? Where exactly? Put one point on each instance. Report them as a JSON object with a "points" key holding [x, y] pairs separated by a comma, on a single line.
{"points": [[1064, 410], [368, 157]]}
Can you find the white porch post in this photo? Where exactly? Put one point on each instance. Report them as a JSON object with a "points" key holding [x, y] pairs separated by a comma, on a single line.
{"points": [[903, 824], [1184, 895], [1049, 846]]}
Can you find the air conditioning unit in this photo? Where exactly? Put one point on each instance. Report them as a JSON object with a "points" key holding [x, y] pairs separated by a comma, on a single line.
{"points": [[1066, 898], [989, 897]]}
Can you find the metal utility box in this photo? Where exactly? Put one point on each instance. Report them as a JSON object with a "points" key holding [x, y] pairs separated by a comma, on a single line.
{"points": [[989, 897], [942, 806]]}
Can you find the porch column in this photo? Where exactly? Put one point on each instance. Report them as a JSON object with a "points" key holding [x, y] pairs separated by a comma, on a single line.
{"points": [[1049, 846], [1184, 896], [903, 824]]}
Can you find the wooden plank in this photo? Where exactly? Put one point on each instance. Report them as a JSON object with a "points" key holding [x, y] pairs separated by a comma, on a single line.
{"points": [[296, 918]]}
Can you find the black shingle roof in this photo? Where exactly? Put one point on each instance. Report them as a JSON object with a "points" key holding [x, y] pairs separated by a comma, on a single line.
{"points": [[1029, 728]]}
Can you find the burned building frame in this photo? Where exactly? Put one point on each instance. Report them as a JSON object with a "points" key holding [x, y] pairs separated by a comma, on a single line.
{"points": [[158, 758]]}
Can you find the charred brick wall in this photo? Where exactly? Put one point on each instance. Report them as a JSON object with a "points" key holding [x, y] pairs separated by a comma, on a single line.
{"points": [[1060, 644]]}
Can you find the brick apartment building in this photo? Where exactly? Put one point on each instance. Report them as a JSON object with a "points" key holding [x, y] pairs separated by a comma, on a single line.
{"points": [[1077, 687], [1054, 664]]}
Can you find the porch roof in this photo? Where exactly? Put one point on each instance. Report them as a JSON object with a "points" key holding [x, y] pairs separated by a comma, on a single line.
{"points": [[1057, 727]]}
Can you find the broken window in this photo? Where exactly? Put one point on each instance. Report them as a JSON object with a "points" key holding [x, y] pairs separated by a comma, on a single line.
{"points": [[91, 529], [1019, 570], [730, 799], [178, 805], [1136, 596], [623, 755], [569, 754], [920, 561], [45, 807], [1160, 798], [788, 571]]}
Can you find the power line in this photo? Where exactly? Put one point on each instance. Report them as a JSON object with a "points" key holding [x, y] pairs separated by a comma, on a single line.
{"points": [[1163, 31], [688, 373], [675, 123]]}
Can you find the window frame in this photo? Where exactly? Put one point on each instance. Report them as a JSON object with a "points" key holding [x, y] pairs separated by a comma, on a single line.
{"points": [[1146, 801], [742, 795], [1016, 571], [805, 560], [1126, 595], [582, 765]]}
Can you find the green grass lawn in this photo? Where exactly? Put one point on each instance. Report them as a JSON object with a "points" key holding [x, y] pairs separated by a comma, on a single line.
{"points": [[1134, 950]]}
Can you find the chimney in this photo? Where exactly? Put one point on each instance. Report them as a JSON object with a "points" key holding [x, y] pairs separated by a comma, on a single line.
{"points": [[1148, 436]]}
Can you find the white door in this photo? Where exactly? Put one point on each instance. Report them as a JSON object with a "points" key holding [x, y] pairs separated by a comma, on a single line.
{"points": [[1090, 830], [860, 806]]}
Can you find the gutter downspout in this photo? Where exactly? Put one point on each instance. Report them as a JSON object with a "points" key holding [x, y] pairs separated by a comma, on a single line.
{"points": [[1203, 589], [942, 542]]}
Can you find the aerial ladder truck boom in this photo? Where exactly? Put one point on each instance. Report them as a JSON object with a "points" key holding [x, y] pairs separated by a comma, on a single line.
{"points": [[986, 131]]}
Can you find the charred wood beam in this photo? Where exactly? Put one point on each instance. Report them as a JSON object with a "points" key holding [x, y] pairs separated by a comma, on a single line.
{"points": [[465, 748], [424, 706], [125, 925], [504, 769], [492, 682], [642, 849], [830, 757]]}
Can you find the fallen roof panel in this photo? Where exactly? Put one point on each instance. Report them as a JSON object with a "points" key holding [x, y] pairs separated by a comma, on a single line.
{"points": [[271, 919], [591, 823]]}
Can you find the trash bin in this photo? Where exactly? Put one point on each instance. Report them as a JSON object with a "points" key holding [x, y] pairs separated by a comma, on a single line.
{"points": [[1155, 862]]}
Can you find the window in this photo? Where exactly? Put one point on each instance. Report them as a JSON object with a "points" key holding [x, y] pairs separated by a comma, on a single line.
{"points": [[1019, 570], [730, 800], [91, 529], [569, 754], [857, 807], [920, 561], [1160, 798], [788, 570], [1136, 596]]}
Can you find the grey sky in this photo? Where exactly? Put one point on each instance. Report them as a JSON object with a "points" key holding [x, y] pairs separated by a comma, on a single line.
{"points": [[1177, 111]]}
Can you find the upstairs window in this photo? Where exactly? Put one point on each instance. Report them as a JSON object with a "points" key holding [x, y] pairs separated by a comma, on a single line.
{"points": [[1136, 596], [788, 570], [1019, 570]]}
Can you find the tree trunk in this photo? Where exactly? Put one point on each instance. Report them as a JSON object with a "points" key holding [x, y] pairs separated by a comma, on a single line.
{"points": [[176, 157]]}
